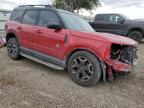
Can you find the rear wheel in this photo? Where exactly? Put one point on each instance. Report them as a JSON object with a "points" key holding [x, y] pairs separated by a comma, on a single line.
{"points": [[136, 35], [13, 48], [84, 68]]}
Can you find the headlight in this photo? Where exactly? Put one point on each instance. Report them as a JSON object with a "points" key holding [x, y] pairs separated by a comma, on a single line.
{"points": [[123, 53]]}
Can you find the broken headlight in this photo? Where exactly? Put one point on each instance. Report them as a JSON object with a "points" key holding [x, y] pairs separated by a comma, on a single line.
{"points": [[123, 53]]}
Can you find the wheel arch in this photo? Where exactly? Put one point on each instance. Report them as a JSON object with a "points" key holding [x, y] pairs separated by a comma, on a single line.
{"points": [[98, 57], [82, 49], [94, 51], [136, 29], [10, 35]]}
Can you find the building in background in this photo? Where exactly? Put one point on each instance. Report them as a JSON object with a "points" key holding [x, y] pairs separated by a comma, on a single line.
{"points": [[4, 16]]}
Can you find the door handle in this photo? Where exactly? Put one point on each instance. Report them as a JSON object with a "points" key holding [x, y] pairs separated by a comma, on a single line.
{"points": [[19, 28], [38, 31]]}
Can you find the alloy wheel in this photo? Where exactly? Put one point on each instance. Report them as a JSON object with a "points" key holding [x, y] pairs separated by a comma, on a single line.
{"points": [[12, 48], [82, 68]]}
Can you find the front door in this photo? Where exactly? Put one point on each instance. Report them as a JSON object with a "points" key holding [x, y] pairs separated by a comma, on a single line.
{"points": [[100, 23], [48, 41]]}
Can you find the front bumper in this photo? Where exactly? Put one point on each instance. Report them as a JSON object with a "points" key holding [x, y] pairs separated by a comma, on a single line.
{"points": [[122, 67], [123, 58]]}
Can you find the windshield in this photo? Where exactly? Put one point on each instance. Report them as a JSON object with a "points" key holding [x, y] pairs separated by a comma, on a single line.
{"points": [[74, 22], [125, 17]]}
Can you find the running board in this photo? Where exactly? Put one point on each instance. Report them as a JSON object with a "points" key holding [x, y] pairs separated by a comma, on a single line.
{"points": [[42, 62]]}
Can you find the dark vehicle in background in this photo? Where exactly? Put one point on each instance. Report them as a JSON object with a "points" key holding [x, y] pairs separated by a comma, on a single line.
{"points": [[120, 25]]}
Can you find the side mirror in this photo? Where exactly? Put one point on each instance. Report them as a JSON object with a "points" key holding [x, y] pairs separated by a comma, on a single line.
{"points": [[54, 25], [120, 20]]}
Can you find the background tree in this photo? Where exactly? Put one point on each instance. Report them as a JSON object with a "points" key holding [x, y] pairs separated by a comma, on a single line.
{"points": [[76, 5]]}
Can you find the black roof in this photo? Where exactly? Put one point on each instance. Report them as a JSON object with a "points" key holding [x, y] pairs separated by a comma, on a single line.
{"points": [[24, 7], [66, 12], [49, 7], [109, 14]]}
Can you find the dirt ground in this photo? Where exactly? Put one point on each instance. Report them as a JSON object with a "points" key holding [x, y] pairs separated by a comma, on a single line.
{"points": [[2, 33], [27, 84]]}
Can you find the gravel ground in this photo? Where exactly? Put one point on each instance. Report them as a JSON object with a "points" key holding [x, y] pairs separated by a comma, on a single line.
{"points": [[2, 33], [27, 84]]}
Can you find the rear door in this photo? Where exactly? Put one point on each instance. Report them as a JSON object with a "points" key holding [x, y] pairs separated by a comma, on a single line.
{"points": [[49, 41], [14, 23], [100, 23], [26, 28]]}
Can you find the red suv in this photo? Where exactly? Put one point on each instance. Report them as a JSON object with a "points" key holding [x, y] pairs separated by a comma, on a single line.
{"points": [[63, 40]]}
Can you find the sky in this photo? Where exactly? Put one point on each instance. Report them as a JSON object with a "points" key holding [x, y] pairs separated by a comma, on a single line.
{"points": [[131, 8]]}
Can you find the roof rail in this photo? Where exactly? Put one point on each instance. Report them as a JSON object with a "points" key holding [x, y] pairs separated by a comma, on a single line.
{"points": [[36, 6]]}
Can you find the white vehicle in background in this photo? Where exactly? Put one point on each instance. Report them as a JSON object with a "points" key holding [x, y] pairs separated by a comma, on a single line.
{"points": [[4, 16]]}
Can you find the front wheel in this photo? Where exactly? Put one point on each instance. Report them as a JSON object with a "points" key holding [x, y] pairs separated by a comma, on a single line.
{"points": [[84, 68]]}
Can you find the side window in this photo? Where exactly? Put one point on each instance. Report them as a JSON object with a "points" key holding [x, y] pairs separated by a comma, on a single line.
{"points": [[47, 17], [16, 15], [102, 18], [30, 17], [114, 18]]}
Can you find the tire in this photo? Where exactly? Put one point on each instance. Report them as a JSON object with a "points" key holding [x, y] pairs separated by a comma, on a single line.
{"points": [[84, 68], [136, 35], [13, 48]]}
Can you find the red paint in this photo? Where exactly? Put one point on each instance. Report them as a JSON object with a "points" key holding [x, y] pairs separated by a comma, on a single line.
{"points": [[53, 43]]}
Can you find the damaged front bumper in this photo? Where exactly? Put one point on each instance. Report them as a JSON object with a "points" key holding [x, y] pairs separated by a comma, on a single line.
{"points": [[122, 67], [123, 58]]}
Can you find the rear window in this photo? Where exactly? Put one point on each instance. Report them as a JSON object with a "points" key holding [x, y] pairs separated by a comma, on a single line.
{"points": [[16, 15]]}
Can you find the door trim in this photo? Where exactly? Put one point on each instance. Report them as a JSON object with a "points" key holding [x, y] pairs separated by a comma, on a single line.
{"points": [[43, 57]]}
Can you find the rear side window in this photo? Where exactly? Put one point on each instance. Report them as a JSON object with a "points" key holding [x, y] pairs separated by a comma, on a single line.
{"points": [[16, 15], [114, 18], [47, 17], [102, 18], [99, 18], [30, 17]]}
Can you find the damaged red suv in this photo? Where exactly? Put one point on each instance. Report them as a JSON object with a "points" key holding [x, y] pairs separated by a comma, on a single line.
{"points": [[63, 40]]}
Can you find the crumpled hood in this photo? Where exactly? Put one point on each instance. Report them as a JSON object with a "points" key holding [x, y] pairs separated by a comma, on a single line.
{"points": [[117, 39]]}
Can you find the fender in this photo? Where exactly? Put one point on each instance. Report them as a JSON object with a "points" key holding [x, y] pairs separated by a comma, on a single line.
{"points": [[94, 52], [86, 47], [133, 29], [11, 32]]}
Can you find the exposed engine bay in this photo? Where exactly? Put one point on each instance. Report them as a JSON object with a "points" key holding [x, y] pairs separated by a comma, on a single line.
{"points": [[124, 53]]}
